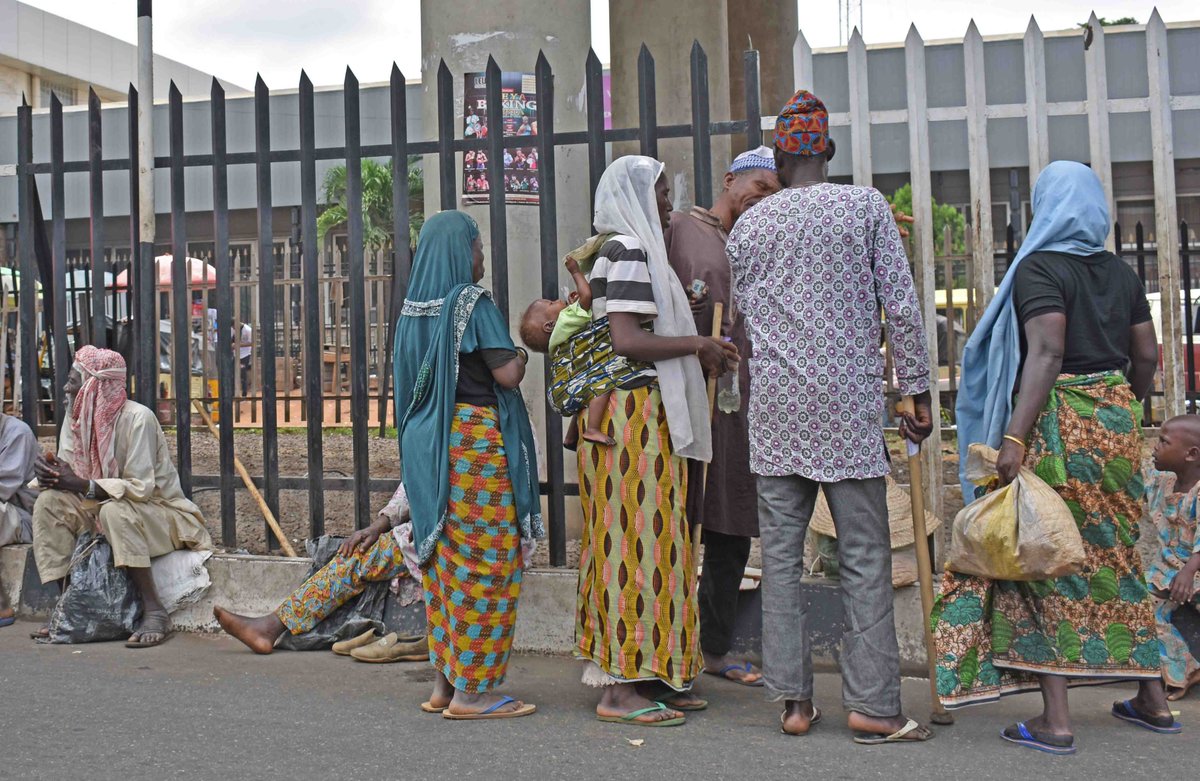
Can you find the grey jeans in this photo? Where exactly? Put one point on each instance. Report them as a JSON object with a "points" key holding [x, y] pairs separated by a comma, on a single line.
{"points": [[870, 656]]}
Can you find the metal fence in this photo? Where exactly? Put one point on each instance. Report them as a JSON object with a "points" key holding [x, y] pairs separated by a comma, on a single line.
{"points": [[149, 306]]}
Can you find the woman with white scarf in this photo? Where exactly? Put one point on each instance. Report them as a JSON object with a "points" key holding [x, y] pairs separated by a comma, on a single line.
{"points": [[636, 617]]}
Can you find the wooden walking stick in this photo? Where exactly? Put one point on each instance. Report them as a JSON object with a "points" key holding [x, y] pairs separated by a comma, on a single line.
{"points": [[924, 566], [241, 470], [718, 315]]}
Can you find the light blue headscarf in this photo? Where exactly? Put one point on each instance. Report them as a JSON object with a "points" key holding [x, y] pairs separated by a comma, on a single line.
{"points": [[1070, 215]]}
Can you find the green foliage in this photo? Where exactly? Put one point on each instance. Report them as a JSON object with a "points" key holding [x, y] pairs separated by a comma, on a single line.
{"points": [[943, 215], [377, 180], [1113, 22]]}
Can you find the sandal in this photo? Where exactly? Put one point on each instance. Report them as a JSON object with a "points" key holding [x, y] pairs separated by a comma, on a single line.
{"points": [[429, 707], [634, 717], [911, 732], [814, 721], [695, 705], [493, 712], [154, 626], [1163, 725], [1049, 744], [8, 621], [746, 668]]}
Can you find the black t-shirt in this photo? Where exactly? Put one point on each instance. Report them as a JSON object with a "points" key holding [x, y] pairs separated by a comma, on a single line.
{"points": [[1101, 297], [475, 382]]}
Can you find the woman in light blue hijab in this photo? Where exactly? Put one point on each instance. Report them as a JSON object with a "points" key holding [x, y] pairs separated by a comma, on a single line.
{"points": [[1053, 376]]}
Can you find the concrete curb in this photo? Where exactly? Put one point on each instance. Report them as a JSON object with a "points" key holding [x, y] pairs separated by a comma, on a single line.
{"points": [[255, 585]]}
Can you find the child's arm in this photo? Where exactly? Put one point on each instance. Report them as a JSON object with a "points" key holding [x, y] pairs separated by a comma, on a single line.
{"points": [[582, 286], [1183, 586]]}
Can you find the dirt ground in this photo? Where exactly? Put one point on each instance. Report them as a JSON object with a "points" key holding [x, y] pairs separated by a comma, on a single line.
{"points": [[294, 516]]}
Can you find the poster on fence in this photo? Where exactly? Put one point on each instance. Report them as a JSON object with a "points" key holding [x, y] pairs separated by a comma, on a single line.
{"points": [[517, 117]]}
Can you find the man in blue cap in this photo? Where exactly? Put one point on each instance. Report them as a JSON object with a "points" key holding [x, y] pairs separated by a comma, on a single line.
{"points": [[726, 506]]}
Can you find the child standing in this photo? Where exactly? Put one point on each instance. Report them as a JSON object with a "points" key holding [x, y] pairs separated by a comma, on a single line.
{"points": [[1172, 494]]}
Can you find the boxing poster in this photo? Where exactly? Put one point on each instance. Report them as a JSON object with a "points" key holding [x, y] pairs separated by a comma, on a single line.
{"points": [[517, 117]]}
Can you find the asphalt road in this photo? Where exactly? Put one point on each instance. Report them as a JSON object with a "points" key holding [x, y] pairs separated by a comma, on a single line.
{"points": [[203, 707]]}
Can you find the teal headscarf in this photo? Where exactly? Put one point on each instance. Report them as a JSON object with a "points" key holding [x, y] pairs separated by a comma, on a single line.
{"points": [[445, 314], [1070, 216]]}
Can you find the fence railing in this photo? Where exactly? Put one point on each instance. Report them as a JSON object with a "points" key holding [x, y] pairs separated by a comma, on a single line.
{"points": [[321, 311]]}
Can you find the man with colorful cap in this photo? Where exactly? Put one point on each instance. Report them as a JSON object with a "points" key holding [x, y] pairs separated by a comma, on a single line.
{"points": [[113, 473], [725, 505], [817, 269]]}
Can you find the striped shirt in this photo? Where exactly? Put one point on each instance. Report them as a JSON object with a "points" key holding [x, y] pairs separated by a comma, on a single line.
{"points": [[620, 280]]}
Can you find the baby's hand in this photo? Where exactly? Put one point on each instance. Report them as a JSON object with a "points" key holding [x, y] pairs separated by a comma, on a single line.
{"points": [[572, 297]]}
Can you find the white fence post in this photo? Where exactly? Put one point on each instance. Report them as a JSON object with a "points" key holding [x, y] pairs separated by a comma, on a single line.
{"points": [[1035, 102], [1099, 153], [1166, 219], [860, 110], [983, 277], [802, 63], [923, 242]]}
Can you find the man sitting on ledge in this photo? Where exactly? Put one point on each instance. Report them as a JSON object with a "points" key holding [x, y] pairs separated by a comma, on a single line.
{"points": [[113, 473]]}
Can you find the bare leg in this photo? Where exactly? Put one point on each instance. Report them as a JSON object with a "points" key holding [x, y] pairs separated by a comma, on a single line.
{"points": [[155, 624], [258, 634], [1151, 698], [1056, 713], [443, 692], [623, 698], [595, 414]]}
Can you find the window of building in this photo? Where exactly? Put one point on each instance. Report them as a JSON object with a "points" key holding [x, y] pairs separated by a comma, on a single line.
{"points": [[64, 89]]}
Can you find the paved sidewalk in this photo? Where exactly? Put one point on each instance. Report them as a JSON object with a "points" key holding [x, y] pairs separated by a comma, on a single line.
{"points": [[203, 707]]}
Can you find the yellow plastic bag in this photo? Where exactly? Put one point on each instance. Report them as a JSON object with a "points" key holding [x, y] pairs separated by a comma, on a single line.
{"points": [[1023, 531]]}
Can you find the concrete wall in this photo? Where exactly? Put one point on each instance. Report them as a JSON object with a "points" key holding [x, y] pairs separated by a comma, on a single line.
{"points": [[14, 83]]}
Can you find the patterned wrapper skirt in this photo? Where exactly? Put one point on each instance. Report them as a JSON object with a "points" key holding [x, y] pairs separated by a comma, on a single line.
{"points": [[473, 581], [636, 613], [992, 637]]}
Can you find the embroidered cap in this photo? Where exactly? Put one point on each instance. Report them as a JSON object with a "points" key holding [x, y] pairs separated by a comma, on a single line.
{"points": [[762, 158]]}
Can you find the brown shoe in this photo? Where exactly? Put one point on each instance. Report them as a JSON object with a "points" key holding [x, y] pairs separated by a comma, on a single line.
{"points": [[346, 646], [393, 648]]}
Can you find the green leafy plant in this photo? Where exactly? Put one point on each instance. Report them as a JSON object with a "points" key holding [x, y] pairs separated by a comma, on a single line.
{"points": [[1113, 22], [377, 179], [943, 215]]}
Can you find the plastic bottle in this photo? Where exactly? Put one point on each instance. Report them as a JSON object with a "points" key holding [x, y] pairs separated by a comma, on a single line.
{"points": [[729, 392]]}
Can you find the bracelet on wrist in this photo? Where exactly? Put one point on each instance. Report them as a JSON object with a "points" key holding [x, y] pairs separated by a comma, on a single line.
{"points": [[1015, 440]]}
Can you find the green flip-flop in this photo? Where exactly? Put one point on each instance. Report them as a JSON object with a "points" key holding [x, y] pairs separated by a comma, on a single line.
{"points": [[632, 717]]}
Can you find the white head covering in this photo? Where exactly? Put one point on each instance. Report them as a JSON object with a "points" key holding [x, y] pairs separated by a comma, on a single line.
{"points": [[626, 205]]}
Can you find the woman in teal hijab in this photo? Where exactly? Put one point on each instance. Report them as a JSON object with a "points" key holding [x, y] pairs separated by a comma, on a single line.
{"points": [[468, 464], [1054, 376]]}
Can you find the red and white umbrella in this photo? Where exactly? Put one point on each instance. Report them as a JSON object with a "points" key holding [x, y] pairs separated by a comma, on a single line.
{"points": [[199, 273]]}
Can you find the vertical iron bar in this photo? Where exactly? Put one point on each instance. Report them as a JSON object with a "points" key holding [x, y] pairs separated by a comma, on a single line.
{"points": [[1140, 245], [266, 300], [313, 321], [548, 208], [594, 83], [446, 134], [1189, 315], [701, 138], [58, 219], [498, 198], [27, 291], [226, 377], [401, 249], [181, 325], [96, 185], [647, 104], [359, 411], [753, 100]]}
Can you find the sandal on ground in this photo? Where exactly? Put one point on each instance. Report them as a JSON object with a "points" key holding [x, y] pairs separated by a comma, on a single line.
{"points": [[634, 717], [1164, 725], [746, 668], [1019, 733], [814, 721], [492, 712], [155, 626], [911, 732], [8, 621], [41, 633], [695, 705], [429, 707]]}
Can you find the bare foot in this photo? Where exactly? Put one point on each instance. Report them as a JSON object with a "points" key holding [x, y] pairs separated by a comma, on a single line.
{"points": [[1179, 694], [258, 634], [799, 716], [1039, 725], [734, 670], [443, 693], [623, 699], [598, 437], [874, 725], [660, 692]]}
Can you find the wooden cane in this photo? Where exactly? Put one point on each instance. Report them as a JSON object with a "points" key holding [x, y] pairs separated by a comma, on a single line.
{"points": [[924, 566], [718, 314], [241, 470]]}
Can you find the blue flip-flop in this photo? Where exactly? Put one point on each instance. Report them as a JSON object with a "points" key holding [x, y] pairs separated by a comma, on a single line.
{"points": [[1163, 725], [1050, 744], [747, 668], [8, 621]]}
